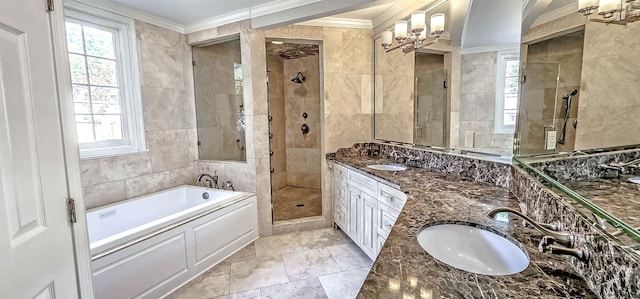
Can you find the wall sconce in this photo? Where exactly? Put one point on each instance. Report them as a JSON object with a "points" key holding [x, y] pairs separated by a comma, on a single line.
{"points": [[415, 40], [619, 12]]}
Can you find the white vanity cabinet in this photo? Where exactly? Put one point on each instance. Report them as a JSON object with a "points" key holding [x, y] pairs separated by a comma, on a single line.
{"points": [[364, 208]]}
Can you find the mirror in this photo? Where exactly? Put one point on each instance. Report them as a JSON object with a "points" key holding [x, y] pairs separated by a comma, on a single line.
{"points": [[579, 99], [446, 96], [217, 73]]}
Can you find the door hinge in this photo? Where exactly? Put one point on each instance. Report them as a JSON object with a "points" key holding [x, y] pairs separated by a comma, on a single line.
{"points": [[444, 84], [50, 6], [71, 210]]}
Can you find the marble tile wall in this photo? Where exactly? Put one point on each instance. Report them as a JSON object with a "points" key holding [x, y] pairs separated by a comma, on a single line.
{"points": [[219, 106], [553, 68], [275, 66], [608, 105], [431, 99], [611, 270], [303, 150], [394, 94], [169, 121], [477, 105]]}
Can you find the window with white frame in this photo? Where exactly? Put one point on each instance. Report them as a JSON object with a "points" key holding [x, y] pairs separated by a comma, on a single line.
{"points": [[507, 74], [104, 76]]}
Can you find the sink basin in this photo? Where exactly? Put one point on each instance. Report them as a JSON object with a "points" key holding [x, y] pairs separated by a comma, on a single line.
{"points": [[389, 167], [473, 249]]}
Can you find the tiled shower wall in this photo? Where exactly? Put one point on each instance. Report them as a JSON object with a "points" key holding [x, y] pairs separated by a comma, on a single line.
{"points": [[478, 102], [169, 122], [551, 63], [431, 99], [275, 65], [303, 150]]}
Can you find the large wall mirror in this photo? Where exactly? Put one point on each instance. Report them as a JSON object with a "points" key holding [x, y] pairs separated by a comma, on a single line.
{"points": [[217, 71], [460, 93], [580, 96]]}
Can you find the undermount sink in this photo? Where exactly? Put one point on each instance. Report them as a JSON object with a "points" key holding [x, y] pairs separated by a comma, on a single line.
{"points": [[388, 167], [473, 249]]}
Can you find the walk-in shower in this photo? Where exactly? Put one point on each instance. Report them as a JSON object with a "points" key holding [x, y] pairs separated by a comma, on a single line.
{"points": [[294, 129]]}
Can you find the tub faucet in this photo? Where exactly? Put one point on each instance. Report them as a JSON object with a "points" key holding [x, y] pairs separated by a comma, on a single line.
{"points": [[228, 185], [213, 180], [564, 238]]}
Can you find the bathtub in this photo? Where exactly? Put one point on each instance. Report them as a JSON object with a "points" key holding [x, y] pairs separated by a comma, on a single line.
{"points": [[148, 246]]}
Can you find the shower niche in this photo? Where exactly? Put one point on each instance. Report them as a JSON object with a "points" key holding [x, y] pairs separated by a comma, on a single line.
{"points": [[293, 72], [218, 83]]}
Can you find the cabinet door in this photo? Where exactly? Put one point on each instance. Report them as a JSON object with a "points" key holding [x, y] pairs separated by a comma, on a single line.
{"points": [[369, 225], [353, 212]]}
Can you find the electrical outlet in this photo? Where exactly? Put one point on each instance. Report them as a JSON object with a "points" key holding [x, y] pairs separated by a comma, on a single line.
{"points": [[468, 138], [550, 140]]}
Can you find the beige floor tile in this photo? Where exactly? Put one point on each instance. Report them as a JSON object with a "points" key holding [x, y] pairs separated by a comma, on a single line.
{"points": [[256, 273], [345, 284], [293, 202], [250, 294], [321, 238], [277, 245], [203, 287], [349, 256], [307, 289], [309, 263], [248, 252]]}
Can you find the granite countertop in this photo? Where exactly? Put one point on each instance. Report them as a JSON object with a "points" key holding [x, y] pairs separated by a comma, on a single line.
{"points": [[435, 197]]}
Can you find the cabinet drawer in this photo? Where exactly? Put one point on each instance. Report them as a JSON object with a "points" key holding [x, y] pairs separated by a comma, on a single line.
{"points": [[387, 217], [391, 197], [340, 194], [365, 184], [339, 174], [340, 216]]}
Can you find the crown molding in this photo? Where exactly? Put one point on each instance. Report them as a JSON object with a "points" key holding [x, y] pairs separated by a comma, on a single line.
{"points": [[133, 14], [232, 17], [278, 6], [339, 22], [491, 48], [556, 14]]}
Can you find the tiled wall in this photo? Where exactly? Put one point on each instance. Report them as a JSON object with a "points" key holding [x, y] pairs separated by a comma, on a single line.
{"points": [[303, 150], [394, 94], [478, 102], [431, 99], [169, 121], [550, 63], [608, 106], [275, 65], [219, 110]]}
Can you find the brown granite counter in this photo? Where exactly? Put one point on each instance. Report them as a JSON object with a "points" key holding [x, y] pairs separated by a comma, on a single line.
{"points": [[436, 197]]}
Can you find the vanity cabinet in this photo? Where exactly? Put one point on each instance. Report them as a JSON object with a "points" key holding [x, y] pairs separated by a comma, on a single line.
{"points": [[364, 208]]}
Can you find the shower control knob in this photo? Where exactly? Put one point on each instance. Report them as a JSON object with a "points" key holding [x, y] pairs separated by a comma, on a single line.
{"points": [[272, 170], [305, 115], [270, 153], [270, 118], [270, 135], [238, 140]]}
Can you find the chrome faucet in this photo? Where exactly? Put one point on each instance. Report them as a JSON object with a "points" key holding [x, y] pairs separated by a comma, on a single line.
{"points": [[213, 180], [546, 245], [228, 185], [564, 238], [400, 156]]}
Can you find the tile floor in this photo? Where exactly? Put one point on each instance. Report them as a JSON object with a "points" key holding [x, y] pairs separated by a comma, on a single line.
{"points": [[287, 199], [322, 263]]}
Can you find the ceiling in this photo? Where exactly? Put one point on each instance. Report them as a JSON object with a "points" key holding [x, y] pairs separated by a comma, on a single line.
{"points": [[492, 22]]}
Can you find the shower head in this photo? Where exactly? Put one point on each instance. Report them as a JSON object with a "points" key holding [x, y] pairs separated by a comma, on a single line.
{"points": [[299, 78], [573, 92]]}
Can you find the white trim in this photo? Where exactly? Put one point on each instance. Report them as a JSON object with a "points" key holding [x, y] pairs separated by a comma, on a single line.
{"points": [[128, 80], [339, 22], [490, 48], [131, 13], [219, 20], [278, 6], [556, 14], [71, 154]]}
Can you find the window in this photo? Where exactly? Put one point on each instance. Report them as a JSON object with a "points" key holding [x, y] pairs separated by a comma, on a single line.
{"points": [[106, 92], [508, 67]]}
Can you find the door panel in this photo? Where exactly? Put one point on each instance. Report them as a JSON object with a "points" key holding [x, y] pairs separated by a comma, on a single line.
{"points": [[36, 247]]}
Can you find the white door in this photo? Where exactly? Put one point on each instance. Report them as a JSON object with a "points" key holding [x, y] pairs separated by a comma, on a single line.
{"points": [[36, 248]]}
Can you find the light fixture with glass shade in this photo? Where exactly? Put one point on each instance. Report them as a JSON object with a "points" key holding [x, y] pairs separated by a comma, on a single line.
{"points": [[619, 12], [414, 39]]}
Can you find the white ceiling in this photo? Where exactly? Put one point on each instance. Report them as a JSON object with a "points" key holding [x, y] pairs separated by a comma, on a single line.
{"points": [[492, 22]]}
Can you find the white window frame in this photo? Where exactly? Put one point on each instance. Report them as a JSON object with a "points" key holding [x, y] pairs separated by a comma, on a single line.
{"points": [[501, 65], [128, 81]]}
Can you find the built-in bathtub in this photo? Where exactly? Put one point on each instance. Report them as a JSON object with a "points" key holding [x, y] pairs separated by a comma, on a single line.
{"points": [[150, 245]]}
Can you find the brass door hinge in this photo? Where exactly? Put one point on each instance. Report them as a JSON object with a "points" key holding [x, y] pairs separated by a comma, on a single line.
{"points": [[71, 210]]}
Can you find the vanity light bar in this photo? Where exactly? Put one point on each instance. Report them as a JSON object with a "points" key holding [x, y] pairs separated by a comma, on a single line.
{"points": [[415, 40]]}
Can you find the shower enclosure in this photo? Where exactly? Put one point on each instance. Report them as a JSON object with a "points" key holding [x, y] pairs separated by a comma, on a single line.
{"points": [[293, 77], [430, 103]]}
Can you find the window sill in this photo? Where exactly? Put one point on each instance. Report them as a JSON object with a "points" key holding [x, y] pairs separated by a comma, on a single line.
{"points": [[111, 155]]}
